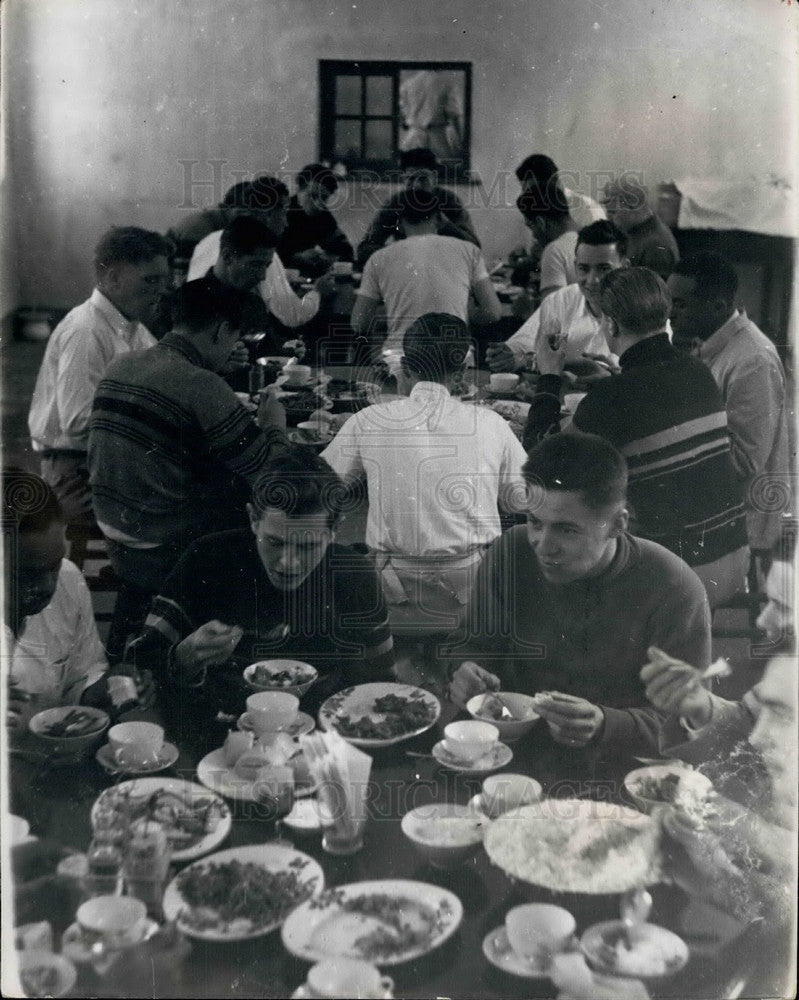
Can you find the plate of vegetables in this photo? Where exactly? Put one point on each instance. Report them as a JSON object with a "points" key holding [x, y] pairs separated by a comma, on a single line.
{"points": [[379, 714]]}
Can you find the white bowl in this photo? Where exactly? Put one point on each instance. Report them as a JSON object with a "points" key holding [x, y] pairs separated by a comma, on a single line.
{"points": [[69, 747], [521, 705], [682, 784], [469, 741], [503, 791], [306, 675], [60, 974], [444, 833]]}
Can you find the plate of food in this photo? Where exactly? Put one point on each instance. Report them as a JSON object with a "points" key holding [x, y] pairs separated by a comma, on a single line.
{"points": [[577, 845], [217, 772], [646, 951], [196, 821], [387, 922], [379, 714], [660, 785], [241, 893]]}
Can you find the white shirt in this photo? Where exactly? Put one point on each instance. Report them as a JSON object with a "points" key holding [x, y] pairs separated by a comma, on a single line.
{"points": [[568, 309], [434, 468], [59, 652], [557, 262], [275, 290], [422, 274], [80, 349]]}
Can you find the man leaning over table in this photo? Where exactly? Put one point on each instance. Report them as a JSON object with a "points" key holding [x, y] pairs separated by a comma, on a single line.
{"points": [[283, 589], [570, 603], [573, 312], [131, 277]]}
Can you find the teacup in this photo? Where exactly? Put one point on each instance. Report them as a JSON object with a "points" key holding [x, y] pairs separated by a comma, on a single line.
{"points": [[469, 741], [297, 374], [271, 711], [503, 382], [314, 430], [347, 977], [537, 931], [112, 922], [136, 744], [502, 792]]}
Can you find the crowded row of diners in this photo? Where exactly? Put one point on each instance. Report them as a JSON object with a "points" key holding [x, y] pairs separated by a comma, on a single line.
{"points": [[411, 685]]}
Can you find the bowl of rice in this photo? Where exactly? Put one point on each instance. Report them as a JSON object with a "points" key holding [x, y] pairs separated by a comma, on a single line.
{"points": [[444, 833], [654, 787]]}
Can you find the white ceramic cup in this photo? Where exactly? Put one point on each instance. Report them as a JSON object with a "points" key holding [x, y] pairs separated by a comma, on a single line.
{"points": [[503, 382], [469, 741], [297, 374], [537, 931], [271, 711], [112, 922], [347, 977], [136, 744], [507, 791]]}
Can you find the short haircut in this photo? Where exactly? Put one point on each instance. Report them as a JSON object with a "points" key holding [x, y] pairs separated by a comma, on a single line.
{"points": [[713, 274], [418, 159], [538, 167], [318, 173], [417, 205], [265, 192], [300, 482], [580, 463], [235, 197], [603, 232], [636, 298], [246, 235], [543, 201], [196, 305], [436, 345], [29, 503], [129, 245]]}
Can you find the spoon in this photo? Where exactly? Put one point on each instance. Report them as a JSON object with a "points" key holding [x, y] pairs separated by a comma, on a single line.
{"points": [[635, 907]]}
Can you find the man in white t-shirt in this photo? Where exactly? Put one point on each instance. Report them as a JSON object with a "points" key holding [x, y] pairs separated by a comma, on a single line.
{"points": [[424, 273], [546, 215], [573, 312]]}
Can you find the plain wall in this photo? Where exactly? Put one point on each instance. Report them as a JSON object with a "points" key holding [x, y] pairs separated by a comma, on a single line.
{"points": [[104, 99]]}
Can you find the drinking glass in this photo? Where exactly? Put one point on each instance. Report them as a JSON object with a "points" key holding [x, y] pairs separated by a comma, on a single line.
{"points": [[274, 788]]}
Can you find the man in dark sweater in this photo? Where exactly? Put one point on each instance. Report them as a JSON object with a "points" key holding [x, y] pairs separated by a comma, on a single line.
{"points": [[572, 602], [281, 589], [312, 239], [664, 412]]}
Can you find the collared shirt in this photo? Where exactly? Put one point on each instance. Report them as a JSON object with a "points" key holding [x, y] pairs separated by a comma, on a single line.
{"points": [[80, 349], [568, 310], [749, 372], [435, 468], [275, 290], [59, 652]]}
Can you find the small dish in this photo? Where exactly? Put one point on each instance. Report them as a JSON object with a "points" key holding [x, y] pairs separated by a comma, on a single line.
{"points": [[499, 953], [61, 973], [497, 757], [167, 756], [656, 952], [303, 724]]}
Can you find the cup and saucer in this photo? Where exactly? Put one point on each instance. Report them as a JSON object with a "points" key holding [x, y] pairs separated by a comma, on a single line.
{"points": [[105, 927], [525, 944], [344, 977], [472, 747], [299, 726], [136, 748]]}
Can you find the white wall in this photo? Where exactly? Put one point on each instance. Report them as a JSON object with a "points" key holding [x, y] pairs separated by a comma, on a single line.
{"points": [[104, 98]]}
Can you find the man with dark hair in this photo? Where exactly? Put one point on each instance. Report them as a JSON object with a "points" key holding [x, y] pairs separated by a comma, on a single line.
{"points": [[195, 227], [313, 240], [538, 173], [172, 451], [425, 273], [573, 313], [650, 242], [283, 589], [552, 227], [267, 199], [664, 412], [570, 603], [420, 173], [749, 372], [131, 275], [421, 456]]}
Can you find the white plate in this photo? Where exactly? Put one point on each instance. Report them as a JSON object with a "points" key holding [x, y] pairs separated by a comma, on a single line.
{"points": [[303, 724], [359, 701], [214, 773], [273, 858], [167, 756], [186, 790], [325, 928], [498, 951], [649, 934], [497, 757]]}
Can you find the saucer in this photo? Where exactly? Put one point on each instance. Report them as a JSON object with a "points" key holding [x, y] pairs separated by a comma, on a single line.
{"points": [[499, 953], [302, 724], [74, 948], [497, 757], [167, 756]]}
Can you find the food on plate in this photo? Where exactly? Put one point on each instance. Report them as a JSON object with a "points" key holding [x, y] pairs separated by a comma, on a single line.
{"points": [[493, 708], [251, 763], [240, 897], [577, 845], [40, 980], [297, 674], [237, 744], [74, 723], [186, 818], [649, 951], [396, 714]]}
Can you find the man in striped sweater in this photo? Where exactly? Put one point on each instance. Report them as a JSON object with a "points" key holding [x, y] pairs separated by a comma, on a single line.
{"points": [[665, 414]]}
